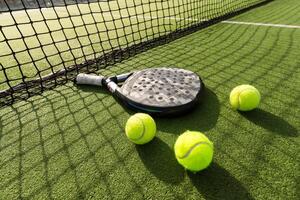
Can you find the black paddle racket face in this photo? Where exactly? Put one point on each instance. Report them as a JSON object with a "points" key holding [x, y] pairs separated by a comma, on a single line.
{"points": [[162, 88]]}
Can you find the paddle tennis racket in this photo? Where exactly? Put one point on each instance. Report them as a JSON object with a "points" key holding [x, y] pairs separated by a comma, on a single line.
{"points": [[159, 91]]}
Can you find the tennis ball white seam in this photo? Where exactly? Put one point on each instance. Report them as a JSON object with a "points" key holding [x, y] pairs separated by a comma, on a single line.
{"points": [[143, 132], [192, 148], [238, 97], [243, 90]]}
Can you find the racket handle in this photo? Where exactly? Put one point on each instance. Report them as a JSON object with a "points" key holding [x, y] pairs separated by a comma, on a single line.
{"points": [[88, 79]]}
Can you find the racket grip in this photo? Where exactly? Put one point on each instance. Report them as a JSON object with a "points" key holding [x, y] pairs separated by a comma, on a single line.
{"points": [[88, 79]]}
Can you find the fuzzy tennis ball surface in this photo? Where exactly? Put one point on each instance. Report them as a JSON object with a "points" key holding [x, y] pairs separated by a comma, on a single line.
{"points": [[193, 150], [244, 98], [140, 128]]}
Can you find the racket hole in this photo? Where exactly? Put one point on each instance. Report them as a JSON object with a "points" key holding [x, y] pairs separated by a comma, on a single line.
{"points": [[169, 94], [187, 92], [144, 86], [156, 92], [160, 98], [168, 89], [151, 97], [140, 90], [159, 88], [135, 86], [172, 99]]}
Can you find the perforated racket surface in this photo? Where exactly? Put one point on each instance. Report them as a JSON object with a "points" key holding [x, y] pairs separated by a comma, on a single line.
{"points": [[163, 87]]}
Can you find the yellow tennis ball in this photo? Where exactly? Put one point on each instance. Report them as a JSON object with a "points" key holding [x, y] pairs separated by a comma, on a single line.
{"points": [[140, 128], [244, 98], [193, 150]]}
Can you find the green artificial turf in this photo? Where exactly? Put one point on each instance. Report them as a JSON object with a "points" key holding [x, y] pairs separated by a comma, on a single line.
{"points": [[69, 143]]}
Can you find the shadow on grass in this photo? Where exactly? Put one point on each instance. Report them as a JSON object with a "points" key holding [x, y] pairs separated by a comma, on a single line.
{"points": [[102, 90], [217, 183], [202, 118], [159, 159], [271, 122]]}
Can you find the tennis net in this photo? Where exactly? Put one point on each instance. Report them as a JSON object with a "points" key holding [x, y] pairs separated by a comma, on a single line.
{"points": [[44, 43]]}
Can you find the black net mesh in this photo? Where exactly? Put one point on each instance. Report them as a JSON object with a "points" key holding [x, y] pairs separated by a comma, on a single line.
{"points": [[44, 43]]}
